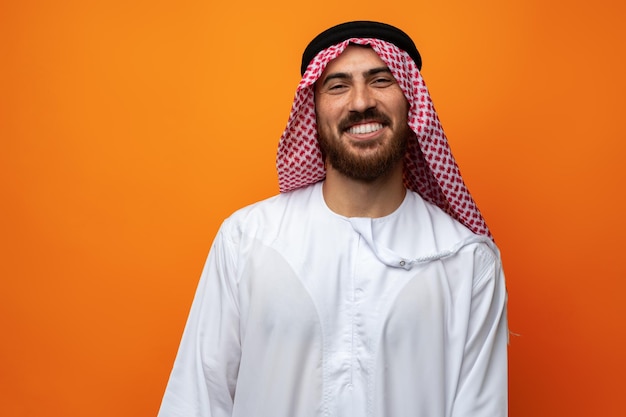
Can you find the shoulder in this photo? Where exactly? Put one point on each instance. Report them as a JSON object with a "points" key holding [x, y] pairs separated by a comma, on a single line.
{"points": [[265, 217], [441, 230]]}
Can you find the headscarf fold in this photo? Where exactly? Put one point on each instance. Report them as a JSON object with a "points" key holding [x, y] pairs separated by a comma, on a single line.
{"points": [[429, 167]]}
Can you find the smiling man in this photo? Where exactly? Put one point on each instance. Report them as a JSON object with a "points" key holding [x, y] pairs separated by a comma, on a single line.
{"points": [[363, 132], [370, 285], [356, 96]]}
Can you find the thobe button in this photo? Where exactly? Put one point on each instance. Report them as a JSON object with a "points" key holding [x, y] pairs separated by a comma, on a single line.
{"points": [[402, 263]]}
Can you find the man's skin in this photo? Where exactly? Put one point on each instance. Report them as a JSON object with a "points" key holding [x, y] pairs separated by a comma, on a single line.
{"points": [[355, 82]]}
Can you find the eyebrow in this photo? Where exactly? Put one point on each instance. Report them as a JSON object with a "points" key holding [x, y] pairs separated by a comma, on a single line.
{"points": [[347, 76]]}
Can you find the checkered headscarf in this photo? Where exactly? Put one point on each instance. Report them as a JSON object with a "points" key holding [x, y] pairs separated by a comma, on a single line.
{"points": [[430, 168]]}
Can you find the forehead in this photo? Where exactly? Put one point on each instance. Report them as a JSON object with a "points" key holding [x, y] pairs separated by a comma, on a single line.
{"points": [[355, 58]]}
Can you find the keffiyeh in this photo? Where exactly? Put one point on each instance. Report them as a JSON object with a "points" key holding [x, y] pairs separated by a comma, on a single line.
{"points": [[429, 167]]}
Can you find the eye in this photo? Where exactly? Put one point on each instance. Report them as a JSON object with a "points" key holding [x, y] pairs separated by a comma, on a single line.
{"points": [[382, 82], [336, 88]]}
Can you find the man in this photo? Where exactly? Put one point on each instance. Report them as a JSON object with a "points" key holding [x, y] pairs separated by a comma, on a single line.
{"points": [[368, 287]]}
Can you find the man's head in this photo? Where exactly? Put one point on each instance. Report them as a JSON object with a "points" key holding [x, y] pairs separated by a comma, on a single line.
{"points": [[300, 161], [429, 167], [361, 115], [358, 89]]}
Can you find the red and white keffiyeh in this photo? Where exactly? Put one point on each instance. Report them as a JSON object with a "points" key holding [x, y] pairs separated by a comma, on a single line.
{"points": [[430, 168]]}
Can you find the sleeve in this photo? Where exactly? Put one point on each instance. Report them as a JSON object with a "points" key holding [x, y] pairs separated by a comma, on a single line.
{"points": [[483, 390], [202, 381]]}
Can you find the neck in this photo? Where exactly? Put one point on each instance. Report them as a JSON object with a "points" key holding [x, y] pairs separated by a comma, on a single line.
{"points": [[355, 198]]}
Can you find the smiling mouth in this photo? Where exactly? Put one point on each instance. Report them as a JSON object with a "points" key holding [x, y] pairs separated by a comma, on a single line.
{"points": [[364, 128]]}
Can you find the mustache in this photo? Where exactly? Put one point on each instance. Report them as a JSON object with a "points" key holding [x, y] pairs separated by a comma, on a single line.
{"points": [[369, 115]]}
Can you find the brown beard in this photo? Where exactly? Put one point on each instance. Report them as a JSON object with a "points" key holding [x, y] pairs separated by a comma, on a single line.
{"points": [[367, 168]]}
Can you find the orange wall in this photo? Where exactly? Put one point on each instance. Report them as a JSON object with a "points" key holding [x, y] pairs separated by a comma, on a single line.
{"points": [[129, 131]]}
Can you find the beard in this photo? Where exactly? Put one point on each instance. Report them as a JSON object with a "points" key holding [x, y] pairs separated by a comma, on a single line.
{"points": [[364, 167]]}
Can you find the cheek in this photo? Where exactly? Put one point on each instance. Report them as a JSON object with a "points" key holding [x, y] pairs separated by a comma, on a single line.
{"points": [[399, 101], [325, 113], [403, 109]]}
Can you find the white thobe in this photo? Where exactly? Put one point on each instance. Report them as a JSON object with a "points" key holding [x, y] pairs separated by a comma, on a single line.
{"points": [[301, 312]]}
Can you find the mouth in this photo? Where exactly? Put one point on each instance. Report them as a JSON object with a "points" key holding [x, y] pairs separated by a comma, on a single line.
{"points": [[364, 128]]}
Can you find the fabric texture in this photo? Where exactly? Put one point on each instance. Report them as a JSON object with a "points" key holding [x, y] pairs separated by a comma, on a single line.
{"points": [[301, 312], [360, 29], [430, 168]]}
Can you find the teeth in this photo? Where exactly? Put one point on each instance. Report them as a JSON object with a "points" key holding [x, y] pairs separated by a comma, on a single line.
{"points": [[365, 128]]}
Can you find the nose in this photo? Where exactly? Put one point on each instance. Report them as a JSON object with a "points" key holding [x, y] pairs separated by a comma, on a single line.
{"points": [[362, 99]]}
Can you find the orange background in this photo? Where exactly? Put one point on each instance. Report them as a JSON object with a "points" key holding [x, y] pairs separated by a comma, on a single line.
{"points": [[129, 130]]}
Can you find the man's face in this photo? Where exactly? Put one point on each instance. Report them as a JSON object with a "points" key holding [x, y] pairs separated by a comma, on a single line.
{"points": [[361, 115]]}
